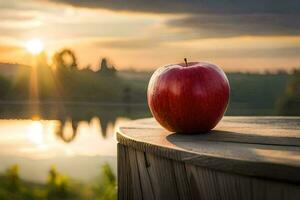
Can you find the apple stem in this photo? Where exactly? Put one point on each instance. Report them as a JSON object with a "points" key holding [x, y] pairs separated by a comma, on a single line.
{"points": [[185, 60]]}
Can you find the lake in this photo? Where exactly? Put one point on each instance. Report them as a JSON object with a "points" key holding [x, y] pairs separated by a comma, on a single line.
{"points": [[44, 143], [76, 139]]}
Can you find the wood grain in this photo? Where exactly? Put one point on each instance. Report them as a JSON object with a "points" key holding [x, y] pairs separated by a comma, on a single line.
{"points": [[164, 179], [262, 159], [249, 158], [125, 190]]}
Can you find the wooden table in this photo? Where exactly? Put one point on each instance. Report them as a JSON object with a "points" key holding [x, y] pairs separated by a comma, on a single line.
{"points": [[242, 158]]}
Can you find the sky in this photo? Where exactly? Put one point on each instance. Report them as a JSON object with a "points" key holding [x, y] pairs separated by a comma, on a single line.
{"points": [[237, 35]]}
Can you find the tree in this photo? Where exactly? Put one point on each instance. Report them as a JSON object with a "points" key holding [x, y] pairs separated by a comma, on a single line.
{"points": [[58, 185], [4, 87], [106, 68], [65, 59], [106, 188], [289, 103], [13, 178]]}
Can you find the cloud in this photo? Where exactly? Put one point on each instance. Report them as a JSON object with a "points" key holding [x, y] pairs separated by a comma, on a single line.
{"points": [[6, 48], [239, 24], [129, 43], [213, 18], [191, 6], [286, 52], [16, 16]]}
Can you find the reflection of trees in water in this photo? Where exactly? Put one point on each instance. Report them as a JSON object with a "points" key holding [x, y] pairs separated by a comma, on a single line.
{"points": [[105, 124], [67, 130], [102, 116]]}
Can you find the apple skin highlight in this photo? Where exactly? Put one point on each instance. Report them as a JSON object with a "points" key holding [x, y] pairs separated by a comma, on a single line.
{"points": [[189, 97]]}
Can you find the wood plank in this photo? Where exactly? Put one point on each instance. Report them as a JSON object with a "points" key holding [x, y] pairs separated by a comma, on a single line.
{"points": [[180, 173], [259, 146], [135, 175], [125, 191], [254, 130], [212, 184], [162, 176], [146, 182], [161, 179]]}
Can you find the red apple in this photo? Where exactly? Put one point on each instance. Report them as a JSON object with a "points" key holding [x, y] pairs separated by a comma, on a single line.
{"points": [[189, 97]]}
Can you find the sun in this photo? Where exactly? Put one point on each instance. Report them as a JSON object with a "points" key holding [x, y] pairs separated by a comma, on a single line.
{"points": [[34, 46]]}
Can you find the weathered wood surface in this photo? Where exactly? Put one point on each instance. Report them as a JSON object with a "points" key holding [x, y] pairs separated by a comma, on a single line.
{"points": [[242, 158]]}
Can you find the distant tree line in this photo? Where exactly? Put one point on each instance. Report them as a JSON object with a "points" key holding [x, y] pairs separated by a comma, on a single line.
{"points": [[66, 59], [289, 102], [64, 80]]}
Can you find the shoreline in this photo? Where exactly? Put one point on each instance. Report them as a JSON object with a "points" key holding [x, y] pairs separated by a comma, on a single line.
{"points": [[78, 103]]}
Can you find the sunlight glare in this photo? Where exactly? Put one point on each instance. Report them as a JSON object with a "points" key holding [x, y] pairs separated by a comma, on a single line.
{"points": [[34, 46], [35, 132]]}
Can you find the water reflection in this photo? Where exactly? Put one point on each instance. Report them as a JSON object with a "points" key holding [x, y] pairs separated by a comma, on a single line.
{"points": [[67, 130], [35, 132], [77, 141], [78, 149], [48, 134]]}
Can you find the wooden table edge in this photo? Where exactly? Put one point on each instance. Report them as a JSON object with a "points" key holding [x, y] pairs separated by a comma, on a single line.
{"points": [[266, 170]]}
